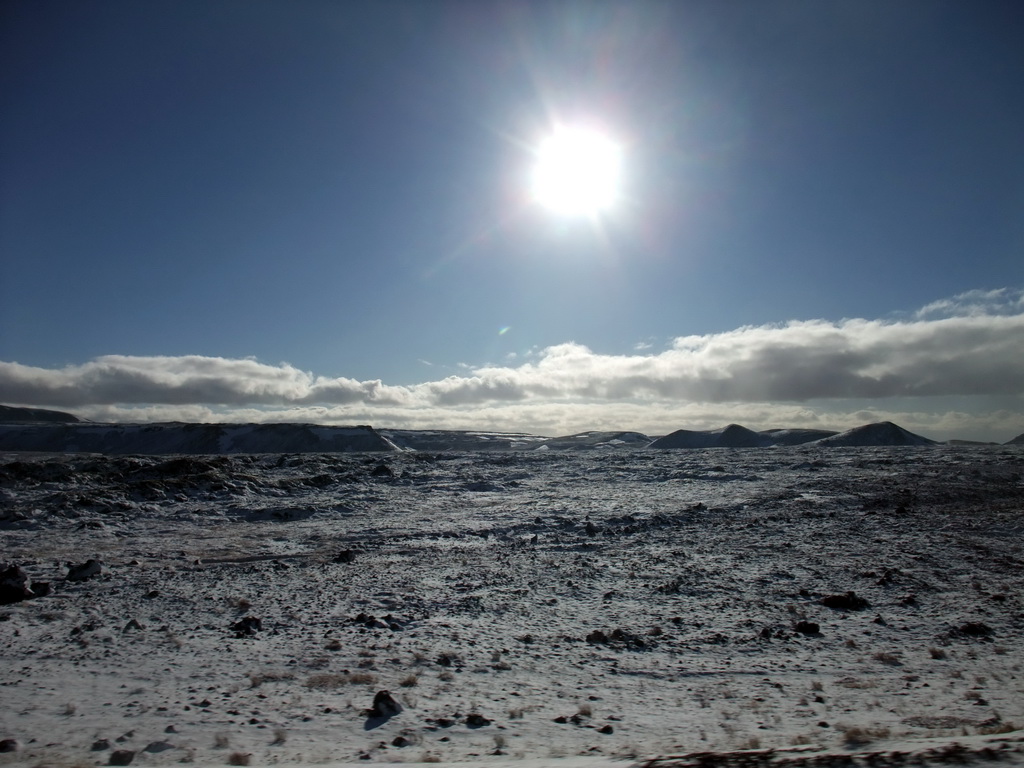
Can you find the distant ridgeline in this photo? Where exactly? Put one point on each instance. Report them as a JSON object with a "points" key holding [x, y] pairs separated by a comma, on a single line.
{"points": [[10, 415], [177, 438], [37, 429]]}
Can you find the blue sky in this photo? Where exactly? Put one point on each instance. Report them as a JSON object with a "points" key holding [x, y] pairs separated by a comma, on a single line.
{"points": [[206, 208]]}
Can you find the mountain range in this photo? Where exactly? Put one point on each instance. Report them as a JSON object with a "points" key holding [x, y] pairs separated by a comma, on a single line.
{"points": [[37, 429]]}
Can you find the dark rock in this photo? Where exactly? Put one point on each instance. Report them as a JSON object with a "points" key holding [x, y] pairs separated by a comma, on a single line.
{"points": [[477, 721], [597, 637], [627, 638], [133, 625], [121, 757], [8, 745], [400, 741], [41, 588], [155, 747], [370, 622], [100, 745], [975, 629], [606, 729], [807, 628], [345, 556], [14, 585], [382, 470], [384, 705], [85, 571], [848, 602], [247, 627]]}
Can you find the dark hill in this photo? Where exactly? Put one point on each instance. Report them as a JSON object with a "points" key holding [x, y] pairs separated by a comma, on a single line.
{"points": [[796, 436], [881, 434], [602, 440], [190, 438], [9, 414], [732, 436]]}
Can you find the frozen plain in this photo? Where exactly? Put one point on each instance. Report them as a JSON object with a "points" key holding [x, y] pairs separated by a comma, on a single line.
{"points": [[594, 606]]}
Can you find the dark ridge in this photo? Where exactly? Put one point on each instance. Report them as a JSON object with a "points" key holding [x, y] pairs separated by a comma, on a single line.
{"points": [[10, 414], [881, 434], [732, 436], [796, 436], [602, 440], [193, 439]]}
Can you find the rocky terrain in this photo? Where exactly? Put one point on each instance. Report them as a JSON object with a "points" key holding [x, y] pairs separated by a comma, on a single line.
{"points": [[515, 606]]}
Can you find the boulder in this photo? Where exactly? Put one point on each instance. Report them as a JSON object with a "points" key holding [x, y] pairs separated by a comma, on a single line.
{"points": [[84, 571], [384, 705]]}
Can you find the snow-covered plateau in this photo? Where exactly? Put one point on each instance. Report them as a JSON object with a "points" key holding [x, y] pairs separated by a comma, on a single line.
{"points": [[806, 604]]}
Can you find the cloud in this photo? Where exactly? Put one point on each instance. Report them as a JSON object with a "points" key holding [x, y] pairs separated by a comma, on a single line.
{"points": [[976, 355], [970, 346], [185, 380], [1001, 301]]}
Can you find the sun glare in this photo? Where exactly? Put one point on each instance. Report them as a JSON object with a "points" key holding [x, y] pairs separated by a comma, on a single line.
{"points": [[577, 172]]}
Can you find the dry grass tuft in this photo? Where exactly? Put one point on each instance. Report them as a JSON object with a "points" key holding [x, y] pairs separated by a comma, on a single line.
{"points": [[410, 682], [855, 684], [327, 681], [857, 736], [936, 653], [239, 758], [992, 730], [256, 679]]}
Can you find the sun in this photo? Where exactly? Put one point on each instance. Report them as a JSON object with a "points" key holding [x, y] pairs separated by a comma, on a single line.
{"points": [[577, 172]]}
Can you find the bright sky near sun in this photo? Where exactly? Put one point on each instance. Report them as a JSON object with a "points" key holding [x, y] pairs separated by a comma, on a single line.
{"points": [[544, 216]]}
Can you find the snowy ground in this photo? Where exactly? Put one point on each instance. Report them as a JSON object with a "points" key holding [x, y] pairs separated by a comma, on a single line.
{"points": [[612, 606]]}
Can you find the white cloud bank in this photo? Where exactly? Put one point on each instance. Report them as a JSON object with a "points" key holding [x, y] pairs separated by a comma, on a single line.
{"points": [[968, 350]]}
